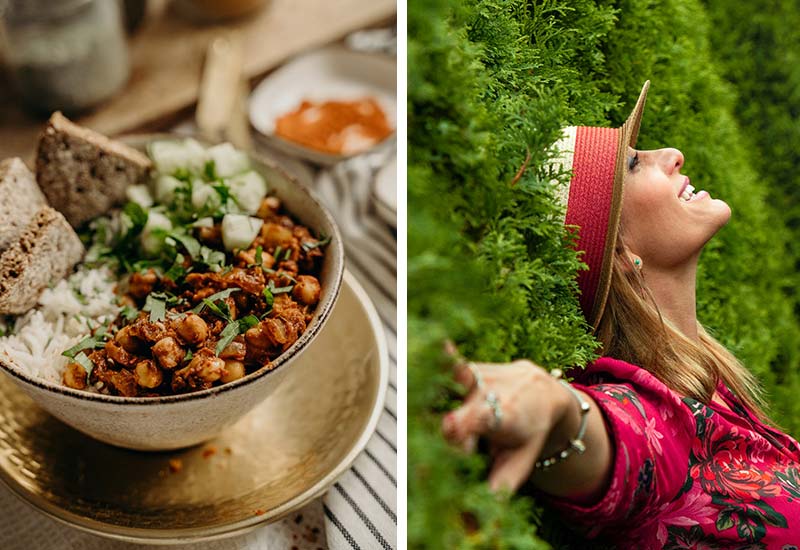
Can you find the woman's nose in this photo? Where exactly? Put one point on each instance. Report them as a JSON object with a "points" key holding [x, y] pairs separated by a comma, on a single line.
{"points": [[672, 160]]}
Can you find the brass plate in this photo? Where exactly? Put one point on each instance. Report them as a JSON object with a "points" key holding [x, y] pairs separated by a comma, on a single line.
{"points": [[283, 454]]}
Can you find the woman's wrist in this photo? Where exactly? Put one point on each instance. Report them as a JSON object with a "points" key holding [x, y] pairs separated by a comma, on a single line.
{"points": [[567, 420]]}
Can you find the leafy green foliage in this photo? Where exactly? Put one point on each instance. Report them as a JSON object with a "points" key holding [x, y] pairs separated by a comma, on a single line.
{"points": [[491, 82], [757, 47]]}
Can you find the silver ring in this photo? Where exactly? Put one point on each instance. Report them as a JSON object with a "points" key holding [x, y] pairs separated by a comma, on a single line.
{"points": [[497, 412], [476, 374]]}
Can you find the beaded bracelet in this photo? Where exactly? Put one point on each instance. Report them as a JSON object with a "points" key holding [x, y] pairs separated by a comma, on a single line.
{"points": [[576, 445]]}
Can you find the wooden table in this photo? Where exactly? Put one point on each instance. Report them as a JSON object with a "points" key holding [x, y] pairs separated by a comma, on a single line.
{"points": [[167, 55]]}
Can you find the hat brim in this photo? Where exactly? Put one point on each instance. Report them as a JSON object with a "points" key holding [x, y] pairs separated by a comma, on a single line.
{"points": [[628, 134]]}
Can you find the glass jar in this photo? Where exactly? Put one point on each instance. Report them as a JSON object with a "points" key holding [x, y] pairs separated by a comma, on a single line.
{"points": [[66, 55]]}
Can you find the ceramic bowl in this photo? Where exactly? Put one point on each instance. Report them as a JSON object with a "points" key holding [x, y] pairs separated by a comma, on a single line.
{"points": [[176, 421], [331, 73]]}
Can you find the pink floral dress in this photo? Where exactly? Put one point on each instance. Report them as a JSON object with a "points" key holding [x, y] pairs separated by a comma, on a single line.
{"points": [[687, 475]]}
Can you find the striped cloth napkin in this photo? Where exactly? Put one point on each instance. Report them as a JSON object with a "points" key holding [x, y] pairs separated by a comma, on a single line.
{"points": [[361, 507]]}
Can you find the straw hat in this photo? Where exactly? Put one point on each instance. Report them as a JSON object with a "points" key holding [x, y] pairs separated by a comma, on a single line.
{"points": [[598, 159]]}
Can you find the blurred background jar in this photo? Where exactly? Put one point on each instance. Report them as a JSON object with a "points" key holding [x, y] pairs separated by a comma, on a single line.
{"points": [[67, 55]]}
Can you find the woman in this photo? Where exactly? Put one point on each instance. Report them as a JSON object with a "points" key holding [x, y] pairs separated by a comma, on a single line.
{"points": [[662, 443]]}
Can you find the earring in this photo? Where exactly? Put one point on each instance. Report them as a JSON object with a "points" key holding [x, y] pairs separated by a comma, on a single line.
{"points": [[637, 263]]}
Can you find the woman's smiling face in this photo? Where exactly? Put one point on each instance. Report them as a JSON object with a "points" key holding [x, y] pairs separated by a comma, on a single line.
{"points": [[660, 224]]}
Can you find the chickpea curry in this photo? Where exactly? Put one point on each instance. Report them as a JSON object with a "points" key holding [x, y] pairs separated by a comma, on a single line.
{"points": [[207, 295]]}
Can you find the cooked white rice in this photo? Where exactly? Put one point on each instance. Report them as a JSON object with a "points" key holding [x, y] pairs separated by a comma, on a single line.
{"points": [[65, 315]]}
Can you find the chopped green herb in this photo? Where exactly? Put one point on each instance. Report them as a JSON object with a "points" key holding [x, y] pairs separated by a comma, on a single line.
{"points": [[233, 329], [191, 244], [288, 254], [214, 259], [135, 213], [188, 356], [86, 343], [182, 174], [169, 298], [101, 333], [247, 322], [227, 335], [157, 307], [259, 256], [268, 297], [129, 313], [210, 170], [221, 295], [312, 245], [176, 271], [280, 289], [277, 252], [84, 361], [222, 310], [224, 193]]}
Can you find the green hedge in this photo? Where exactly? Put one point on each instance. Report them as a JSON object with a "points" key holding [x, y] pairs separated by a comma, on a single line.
{"points": [[492, 81]]}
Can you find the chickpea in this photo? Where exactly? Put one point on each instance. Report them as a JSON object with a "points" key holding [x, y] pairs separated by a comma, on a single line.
{"points": [[248, 257], [269, 207], [257, 340], [307, 290], [296, 317], [267, 260], [147, 374], [141, 284], [236, 351], [116, 353], [288, 266], [124, 382], [192, 329], [279, 332], [75, 376], [168, 353], [126, 340], [211, 369], [233, 371], [202, 371], [210, 235], [276, 235], [147, 331]]}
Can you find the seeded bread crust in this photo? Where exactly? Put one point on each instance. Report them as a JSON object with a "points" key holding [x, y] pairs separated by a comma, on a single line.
{"points": [[83, 173], [20, 199], [46, 252]]}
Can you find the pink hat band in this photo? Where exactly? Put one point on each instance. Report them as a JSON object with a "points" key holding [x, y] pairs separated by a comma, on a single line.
{"points": [[593, 202]]}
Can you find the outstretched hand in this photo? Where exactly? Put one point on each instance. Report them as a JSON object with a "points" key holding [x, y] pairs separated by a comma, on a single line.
{"points": [[515, 406]]}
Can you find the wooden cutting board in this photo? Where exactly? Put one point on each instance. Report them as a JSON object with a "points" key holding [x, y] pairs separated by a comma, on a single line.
{"points": [[167, 55]]}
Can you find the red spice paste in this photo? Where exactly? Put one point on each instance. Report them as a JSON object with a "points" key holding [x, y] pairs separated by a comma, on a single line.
{"points": [[337, 127]]}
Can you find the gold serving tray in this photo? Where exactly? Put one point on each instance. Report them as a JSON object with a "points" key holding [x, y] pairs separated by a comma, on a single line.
{"points": [[283, 454]]}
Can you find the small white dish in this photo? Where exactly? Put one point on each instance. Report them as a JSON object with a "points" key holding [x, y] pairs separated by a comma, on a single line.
{"points": [[332, 73], [384, 192]]}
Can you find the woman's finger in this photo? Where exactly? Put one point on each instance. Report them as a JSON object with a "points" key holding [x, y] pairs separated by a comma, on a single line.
{"points": [[463, 371], [513, 466], [473, 418], [468, 375]]}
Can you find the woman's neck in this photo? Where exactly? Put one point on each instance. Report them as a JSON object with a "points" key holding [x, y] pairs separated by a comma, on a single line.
{"points": [[675, 291]]}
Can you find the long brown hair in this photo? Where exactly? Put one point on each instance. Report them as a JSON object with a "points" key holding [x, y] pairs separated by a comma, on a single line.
{"points": [[632, 329]]}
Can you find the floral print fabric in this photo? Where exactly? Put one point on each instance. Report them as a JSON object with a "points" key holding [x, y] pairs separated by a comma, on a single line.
{"points": [[687, 475]]}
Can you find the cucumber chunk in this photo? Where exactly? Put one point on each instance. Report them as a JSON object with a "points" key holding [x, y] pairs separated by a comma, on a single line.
{"points": [[247, 190], [154, 232], [238, 231], [172, 155], [227, 160]]}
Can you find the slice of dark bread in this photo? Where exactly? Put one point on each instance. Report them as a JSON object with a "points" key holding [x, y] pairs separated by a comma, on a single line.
{"points": [[46, 252], [83, 173], [20, 199]]}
